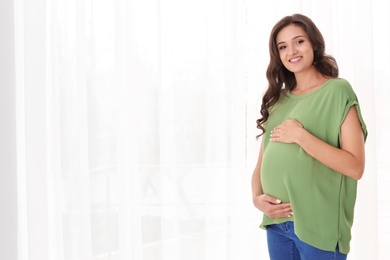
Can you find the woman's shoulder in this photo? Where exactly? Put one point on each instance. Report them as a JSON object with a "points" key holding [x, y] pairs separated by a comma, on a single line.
{"points": [[340, 82], [341, 85], [281, 99]]}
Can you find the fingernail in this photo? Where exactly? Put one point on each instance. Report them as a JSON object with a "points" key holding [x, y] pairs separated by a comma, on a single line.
{"points": [[289, 216], [278, 201]]}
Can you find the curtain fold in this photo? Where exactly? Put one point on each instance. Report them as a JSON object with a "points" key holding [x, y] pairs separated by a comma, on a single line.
{"points": [[136, 124]]}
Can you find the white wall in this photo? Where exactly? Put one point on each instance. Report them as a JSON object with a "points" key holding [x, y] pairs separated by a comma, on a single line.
{"points": [[8, 185]]}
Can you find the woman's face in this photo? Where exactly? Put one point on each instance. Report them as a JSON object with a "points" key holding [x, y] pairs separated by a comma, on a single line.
{"points": [[295, 50]]}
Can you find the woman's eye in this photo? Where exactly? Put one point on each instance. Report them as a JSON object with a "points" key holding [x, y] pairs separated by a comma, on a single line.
{"points": [[282, 47], [299, 42]]}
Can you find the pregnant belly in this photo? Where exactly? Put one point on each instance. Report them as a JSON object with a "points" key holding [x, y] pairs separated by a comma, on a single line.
{"points": [[281, 167]]}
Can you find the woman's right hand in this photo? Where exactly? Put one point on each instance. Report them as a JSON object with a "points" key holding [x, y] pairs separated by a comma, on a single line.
{"points": [[272, 207]]}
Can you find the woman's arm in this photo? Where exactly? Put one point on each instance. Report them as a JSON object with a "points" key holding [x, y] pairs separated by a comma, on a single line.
{"points": [[349, 160], [270, 206]]}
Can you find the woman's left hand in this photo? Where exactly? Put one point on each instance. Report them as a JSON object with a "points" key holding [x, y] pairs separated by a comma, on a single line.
{"points": [[288, 132]]}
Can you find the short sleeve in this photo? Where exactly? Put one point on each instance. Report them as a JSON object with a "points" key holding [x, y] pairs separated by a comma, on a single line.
{"points": [[350, 101]]}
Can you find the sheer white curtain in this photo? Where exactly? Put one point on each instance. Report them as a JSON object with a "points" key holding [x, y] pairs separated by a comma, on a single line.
{"points": [[136, 124], [135, 130]]}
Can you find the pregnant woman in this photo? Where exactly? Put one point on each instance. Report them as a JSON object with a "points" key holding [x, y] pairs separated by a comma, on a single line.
{"points": [[312, 150]]}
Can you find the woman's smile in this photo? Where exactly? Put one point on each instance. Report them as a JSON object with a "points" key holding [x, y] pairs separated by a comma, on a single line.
{"points": [[295, 59]]}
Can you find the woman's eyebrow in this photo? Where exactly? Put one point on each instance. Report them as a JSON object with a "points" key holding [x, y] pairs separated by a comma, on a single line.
{"points": [[295, 37]]}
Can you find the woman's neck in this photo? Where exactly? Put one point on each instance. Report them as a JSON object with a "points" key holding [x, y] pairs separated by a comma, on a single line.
{"points": [[309, 81]]}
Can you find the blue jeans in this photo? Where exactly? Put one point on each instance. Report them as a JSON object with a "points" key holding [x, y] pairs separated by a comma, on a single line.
{"points": [[283, 244]]}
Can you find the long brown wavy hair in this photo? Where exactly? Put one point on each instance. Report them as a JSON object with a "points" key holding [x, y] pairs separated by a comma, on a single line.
{"points": [[279, 77]]}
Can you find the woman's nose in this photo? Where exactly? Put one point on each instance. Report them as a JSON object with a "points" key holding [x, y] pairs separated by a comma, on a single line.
{"points": [[293, 50]]}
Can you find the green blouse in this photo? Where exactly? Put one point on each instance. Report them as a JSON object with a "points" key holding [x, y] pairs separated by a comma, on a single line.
{"points": [[322, 199]]}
